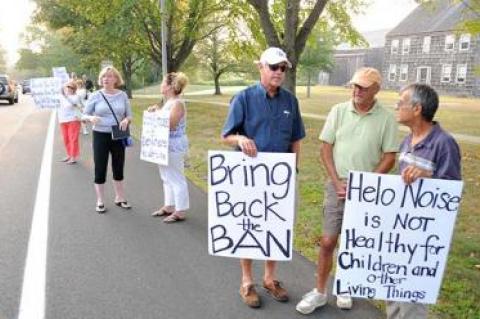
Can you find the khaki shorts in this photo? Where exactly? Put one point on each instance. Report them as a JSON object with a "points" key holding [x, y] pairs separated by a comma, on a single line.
{"points": [[333, 209]]}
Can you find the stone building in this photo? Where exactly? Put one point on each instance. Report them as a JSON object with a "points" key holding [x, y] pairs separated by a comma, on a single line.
{"points": [[428, 47]]}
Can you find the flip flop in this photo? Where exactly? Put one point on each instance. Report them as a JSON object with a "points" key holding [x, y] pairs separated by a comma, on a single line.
{"points": [[124, 204], [161, 212], [173, 219]]}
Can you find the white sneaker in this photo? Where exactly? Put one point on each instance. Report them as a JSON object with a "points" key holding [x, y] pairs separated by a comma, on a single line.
{"points": [[344, 302], [311, 301]]}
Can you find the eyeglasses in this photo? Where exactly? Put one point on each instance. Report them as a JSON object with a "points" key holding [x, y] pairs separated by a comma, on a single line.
{"points": [[71, 87], [275, 67]]}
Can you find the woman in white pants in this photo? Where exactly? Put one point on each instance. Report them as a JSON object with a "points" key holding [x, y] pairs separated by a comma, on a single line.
{"points": [[175, 188]]}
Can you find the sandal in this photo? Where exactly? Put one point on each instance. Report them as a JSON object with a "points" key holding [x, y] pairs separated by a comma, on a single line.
{"points": [[173, 218], [65, 159], [123, 204], [100, 208], [161, 212]]}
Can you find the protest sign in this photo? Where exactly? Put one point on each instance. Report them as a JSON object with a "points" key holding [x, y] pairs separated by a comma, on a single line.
{"points": [[46, 92], [251, 205], [154, 141], [395, 237], [61, 73]]}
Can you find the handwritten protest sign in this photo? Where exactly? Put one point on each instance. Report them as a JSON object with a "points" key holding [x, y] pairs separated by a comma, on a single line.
{"points": [[61, 73], [251, 205], [46, 92], [154, 141], [395, 237]]}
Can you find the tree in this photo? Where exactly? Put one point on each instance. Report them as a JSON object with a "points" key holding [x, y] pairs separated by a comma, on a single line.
{"points": [[188, 21], [52, 52], [3, 62], [223, 51], [317, 55], [99, 30], [287, 24]]}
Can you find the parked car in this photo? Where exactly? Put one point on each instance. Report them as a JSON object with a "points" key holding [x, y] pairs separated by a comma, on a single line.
{"points": [[26, 86], [7, 90]]}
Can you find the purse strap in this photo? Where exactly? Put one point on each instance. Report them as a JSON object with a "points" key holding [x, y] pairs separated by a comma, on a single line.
{"points": [[110, 107]]}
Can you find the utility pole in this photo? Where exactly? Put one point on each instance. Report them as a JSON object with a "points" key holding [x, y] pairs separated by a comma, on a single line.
{"points": [[164, 38]]}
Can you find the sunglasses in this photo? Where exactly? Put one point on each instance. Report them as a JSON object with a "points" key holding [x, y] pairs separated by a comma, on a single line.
{"points": [[275, 67]]}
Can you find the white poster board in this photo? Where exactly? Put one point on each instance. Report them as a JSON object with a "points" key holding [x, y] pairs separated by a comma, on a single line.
{"points": [[395, 237], [46, 92], [155, 134], [251, 205], [61, 73]]}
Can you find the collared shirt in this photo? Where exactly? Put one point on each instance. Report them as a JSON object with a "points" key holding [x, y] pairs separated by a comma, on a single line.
{"points": [[438, 152], [359, 140], [274, 123]]}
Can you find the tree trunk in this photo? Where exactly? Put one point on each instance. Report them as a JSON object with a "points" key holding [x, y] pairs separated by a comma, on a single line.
{"points": [[127, 72], [309, 83], [291, 80], [216, 80]]}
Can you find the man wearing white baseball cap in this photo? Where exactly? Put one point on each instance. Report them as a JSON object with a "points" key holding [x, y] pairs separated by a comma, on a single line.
{"points": [[358, 135], [264, 118]]}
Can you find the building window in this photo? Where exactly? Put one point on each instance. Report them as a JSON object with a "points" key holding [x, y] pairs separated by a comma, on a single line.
{"points": [[403, 72], [426, 44], [424, 74], [446, 73], [406, 46], [395, 44], [464, 43], [392, 72], [461, 73], [449, 42]]}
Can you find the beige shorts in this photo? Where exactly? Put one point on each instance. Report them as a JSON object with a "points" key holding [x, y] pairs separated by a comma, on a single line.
{"points": [[333, 209]]}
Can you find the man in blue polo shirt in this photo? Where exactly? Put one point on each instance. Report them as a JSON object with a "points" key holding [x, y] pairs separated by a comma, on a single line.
{"points": [[264, 118], [428, 151]]}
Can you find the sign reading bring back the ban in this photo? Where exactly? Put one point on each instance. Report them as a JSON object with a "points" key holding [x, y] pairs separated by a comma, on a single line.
{"points": [[251, 203], [395, 237]]}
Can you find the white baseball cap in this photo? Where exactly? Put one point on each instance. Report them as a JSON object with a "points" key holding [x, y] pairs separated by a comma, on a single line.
{"points": [[274, 56]]}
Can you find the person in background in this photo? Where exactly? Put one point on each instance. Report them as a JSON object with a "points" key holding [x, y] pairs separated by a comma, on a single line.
{"points": [[359, 135], [175, 187], [427, 152], [265, 118], [98, 112], [88, 83], [83, 96], [69, 116]]}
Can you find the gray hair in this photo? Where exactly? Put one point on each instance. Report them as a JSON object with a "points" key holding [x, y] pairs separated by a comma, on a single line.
{"points": [[424, 95]]}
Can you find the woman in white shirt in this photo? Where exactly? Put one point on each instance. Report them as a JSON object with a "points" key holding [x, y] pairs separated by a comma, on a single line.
{"points": [[175, 187], [69, 115]]}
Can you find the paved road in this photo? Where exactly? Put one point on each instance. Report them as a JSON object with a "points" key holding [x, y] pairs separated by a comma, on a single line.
{"points": [[124, 264]]}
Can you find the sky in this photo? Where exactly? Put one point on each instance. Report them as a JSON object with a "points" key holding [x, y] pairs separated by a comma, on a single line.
{"points": [[15, 16]]}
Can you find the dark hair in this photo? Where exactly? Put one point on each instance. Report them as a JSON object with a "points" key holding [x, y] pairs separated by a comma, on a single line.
{"points": [[424, 95]]}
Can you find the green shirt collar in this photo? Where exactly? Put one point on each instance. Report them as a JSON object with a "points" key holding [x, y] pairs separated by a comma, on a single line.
{"points": [[374, 108]]}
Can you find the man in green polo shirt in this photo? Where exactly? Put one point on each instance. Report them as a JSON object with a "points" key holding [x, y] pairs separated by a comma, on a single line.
{"points": [[358, 135]]}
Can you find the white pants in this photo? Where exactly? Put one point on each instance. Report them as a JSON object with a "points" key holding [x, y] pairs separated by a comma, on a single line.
{"points": [[405, 310], [175, 187]]}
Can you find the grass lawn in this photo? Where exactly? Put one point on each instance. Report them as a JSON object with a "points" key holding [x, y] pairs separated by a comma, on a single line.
{"points": [[460, 295]]}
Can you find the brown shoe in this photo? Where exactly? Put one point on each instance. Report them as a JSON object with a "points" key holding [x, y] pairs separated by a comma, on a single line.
{"points": [[276, 291], [250, 296]]}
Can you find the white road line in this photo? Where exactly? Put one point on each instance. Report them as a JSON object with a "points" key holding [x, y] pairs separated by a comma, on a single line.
{"points": [[32, 304]]}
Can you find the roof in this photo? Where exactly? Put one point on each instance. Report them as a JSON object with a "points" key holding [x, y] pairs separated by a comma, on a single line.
{"points": [[443, 15], [375, 39]]}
